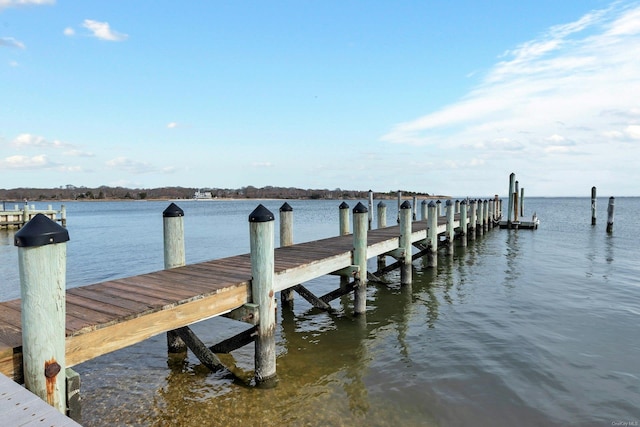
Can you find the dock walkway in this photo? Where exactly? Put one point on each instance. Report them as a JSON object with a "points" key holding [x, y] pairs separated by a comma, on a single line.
{"points": [[104, 317], [19, 406]]}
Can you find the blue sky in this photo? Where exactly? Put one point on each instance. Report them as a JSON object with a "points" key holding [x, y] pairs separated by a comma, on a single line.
{"points": [[446, 97]]}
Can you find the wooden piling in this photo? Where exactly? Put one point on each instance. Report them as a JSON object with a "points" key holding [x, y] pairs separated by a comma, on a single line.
{"points": [[261, 237], [370, 209], [42, 254], [286, 239], [344, 218], [516, 203], [360, 257], [450, 230], [593, 205], [480, 222], [512, 180], [415, 208], [432, 235], [382, 223], [174, 256], [610, 214], [471, 229], [405, 243], [522, 202], [423, 210], [399, 203], [490, 213], [463, 223], [485, 215]]}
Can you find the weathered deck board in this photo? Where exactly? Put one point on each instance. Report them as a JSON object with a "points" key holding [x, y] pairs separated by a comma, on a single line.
{"points": [[108, 316], [20, 407]]}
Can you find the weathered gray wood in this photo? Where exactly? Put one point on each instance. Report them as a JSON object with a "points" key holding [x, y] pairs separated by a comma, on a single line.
{"points": [[42, 253], [204, 354], [286, 239], [261, 242], [471, 229], [405, 243], [512, 181], [174, 256], [414, 216], [423, 210], [311, 298], [382, 223], [432, 235], [370, 209], [610, 214], [74, 406], [594, 201], [450, 229], [463, 223], [247, 313], [360, 257], [344, 218], [235, 342]]}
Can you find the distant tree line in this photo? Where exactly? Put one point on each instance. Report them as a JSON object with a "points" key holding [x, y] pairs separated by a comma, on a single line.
{"points": [[71, 192]]}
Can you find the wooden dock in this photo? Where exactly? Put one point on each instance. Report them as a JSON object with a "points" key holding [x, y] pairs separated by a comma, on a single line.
{"points": [[108, 316], [20, 407], [17, 217]]}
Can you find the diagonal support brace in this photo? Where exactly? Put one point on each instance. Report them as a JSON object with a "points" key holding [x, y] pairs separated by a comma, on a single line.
{"points": [[314, 300]]}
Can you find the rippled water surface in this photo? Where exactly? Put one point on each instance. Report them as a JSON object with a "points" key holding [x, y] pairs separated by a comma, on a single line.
{"points": [[520, 328]]}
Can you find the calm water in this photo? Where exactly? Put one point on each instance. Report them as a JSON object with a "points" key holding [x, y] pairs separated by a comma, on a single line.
{"points": [[520, 328]]}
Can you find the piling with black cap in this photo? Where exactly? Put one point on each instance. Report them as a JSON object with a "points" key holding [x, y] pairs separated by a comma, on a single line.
{"points": [[405, 243], [360, 214], [344, 218], [463, 223], [472, 220], [432, 235], [42, 252], [174, 256], [382, 223], [480, 221], [261, 236], [286, 239], [450, 229], [423, 210]]}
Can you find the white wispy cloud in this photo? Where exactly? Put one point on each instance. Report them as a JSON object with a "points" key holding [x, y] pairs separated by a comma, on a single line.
{"points": [[572, 90], [172, 125], [69, 32], [11, 42], [26, 162], [16, 3], [27, 140], [103, 31], [136, 167]]}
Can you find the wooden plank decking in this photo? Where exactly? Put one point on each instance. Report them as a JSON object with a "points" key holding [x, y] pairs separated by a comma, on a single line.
{"points": [[108, 316], [19, 406]]}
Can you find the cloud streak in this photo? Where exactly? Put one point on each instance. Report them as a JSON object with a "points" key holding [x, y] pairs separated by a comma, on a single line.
{"points": [[573, 90], [103, 31]]}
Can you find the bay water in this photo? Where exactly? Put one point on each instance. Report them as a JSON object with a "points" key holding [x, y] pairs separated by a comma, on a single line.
{"points": [[522, 327]]}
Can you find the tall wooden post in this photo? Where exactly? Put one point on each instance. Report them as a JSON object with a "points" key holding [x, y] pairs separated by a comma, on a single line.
{"points": [[63, 215], [522, 202], [382, 223], [415, 208], [405, 243], [42, 252], [174, 256], [516, 203], [457, 210], [512, 183], [450, 229], [344, 230], [610, 213], [480, 214], [593, 205], [463, 223], [344, 218], [370, 209], [423, 210], [432, 235], [261, 236], [485, 215], [286, 239], [399, 203], [490, 213], [360, 257], [472, 220]]}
